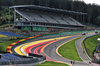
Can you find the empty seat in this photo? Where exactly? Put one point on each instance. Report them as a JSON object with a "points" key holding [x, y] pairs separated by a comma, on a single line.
{"points": [[10, 34], [48, 18]]}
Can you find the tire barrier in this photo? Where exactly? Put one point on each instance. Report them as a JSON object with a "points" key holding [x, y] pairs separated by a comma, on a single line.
{"points": [[34, 55]]}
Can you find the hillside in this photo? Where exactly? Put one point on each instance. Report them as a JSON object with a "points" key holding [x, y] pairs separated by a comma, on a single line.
{"points": [[92, 10]]}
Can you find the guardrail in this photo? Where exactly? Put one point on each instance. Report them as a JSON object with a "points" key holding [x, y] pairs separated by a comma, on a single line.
{"points": [[24, 60], [86, 48], [70, 33]]}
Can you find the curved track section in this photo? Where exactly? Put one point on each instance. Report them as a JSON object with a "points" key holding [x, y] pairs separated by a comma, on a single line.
{"points": [[80, 50], [48, 48], [35, 47], [50, 51]]}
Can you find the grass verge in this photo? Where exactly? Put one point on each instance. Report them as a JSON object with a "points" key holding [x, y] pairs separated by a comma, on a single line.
{"points": [[91, 44], [69, 51], [6, 25], [4, 45], [51, 63]]}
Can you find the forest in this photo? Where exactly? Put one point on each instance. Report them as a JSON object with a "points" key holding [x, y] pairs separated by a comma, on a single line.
{"points": [[92, 10]]}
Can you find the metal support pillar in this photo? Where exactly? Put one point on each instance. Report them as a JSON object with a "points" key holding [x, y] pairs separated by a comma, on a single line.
{"points": [[14, 15], [83, 18], [80, 18]]}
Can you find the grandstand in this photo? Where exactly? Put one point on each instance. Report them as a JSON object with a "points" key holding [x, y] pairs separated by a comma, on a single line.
{"points": [[12, 59], [11, 35], [39, 18]]}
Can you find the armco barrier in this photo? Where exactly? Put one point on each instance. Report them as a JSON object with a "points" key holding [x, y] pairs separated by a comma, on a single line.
{"points": [[34, 55], [85, 46], [70, 33], [22, 60]]}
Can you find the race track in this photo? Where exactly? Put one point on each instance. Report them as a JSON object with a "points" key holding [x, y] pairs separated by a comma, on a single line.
{"points": [[47, 46], [50, 51]]}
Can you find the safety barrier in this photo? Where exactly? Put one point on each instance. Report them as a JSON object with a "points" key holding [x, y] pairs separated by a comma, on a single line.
{"points": [[90, 57], [11, 59]]}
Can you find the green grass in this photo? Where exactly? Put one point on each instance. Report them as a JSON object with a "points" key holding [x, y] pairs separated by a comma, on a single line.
{"points": [[69, 51], [91, 44], [4, 45], [6, 25], [51, 63]]}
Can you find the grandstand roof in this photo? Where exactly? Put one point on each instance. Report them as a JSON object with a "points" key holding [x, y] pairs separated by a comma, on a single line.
{"points": [[42, 8]]}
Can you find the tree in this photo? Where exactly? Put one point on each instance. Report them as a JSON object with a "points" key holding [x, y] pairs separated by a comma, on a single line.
{"points": [[92, 10]]}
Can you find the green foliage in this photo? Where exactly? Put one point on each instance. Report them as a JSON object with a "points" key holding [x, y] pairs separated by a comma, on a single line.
{"points": [[4, 39], [3, 46], [91, 44], [4, 15], [69, 51], [98, 20], [92, 10], [6, 25], [51, 63]]}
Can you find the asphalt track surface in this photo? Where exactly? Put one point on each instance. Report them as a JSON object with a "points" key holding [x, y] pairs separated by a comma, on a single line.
{"points": [[50, 50], [24, 49], [80, 50], [40, 38]]}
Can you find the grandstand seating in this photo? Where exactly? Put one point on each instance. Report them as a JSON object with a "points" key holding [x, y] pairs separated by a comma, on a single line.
{"points": [[8, 59], [47, 17], [10, 34]]}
